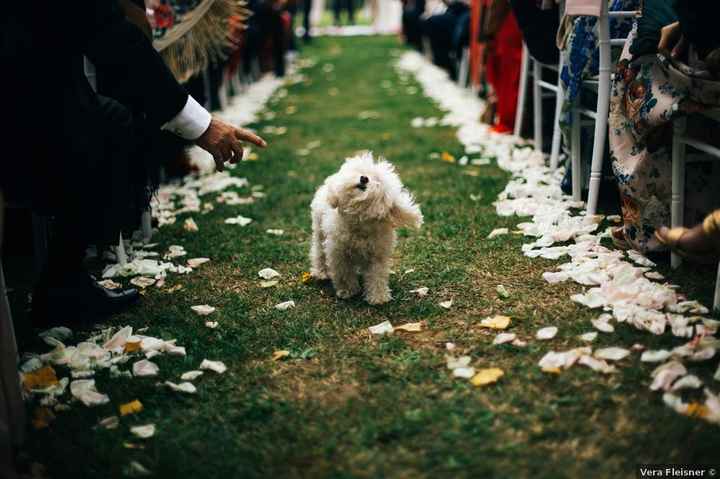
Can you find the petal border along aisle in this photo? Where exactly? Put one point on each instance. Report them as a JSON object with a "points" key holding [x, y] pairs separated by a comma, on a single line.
{"points": [[618, 285]]}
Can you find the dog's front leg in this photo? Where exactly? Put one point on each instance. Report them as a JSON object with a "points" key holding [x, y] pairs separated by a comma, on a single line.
{"points": [[343, 274], [376, 279]]}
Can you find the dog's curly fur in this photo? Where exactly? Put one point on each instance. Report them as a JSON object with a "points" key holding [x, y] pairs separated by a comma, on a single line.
{"points": [[354, 215]]}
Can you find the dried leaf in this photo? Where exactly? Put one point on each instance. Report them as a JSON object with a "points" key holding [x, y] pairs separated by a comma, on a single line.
{"points": [[445, 156], [496, 322], [487, 376], [306, 277], [410, 327], [280, 354], [40, 378], [133, 407]]}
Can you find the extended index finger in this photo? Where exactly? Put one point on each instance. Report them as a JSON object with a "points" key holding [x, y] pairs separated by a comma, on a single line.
{"points": [[248, 136]]}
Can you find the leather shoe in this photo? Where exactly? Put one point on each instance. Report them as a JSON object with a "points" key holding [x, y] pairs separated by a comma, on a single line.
{"points": [[77, 299]]}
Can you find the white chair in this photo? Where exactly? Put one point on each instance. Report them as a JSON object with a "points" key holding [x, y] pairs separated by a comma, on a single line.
{"points": [[464, 68], [599, 114], [538, 86], [680, 141]]}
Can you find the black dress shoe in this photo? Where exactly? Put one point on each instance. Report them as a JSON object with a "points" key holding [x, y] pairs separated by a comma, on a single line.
{"points": [[77, 299]]}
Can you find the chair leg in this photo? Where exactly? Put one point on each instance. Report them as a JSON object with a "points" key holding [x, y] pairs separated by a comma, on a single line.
{"points": [[716, 301], [557, 136], [146, 224], [464, 68], [537, 106], [575, 154], [522, 91], [677, 205], [601, 119]]}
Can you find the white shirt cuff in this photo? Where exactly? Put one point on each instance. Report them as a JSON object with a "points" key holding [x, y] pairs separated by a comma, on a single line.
{"points": [[191, 122]]}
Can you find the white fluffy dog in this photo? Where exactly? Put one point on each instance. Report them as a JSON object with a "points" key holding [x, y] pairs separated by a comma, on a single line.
{"points": [[355, 214]]}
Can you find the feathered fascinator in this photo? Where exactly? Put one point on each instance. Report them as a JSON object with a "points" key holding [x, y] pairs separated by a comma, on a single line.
{"points": [[191, 33]]}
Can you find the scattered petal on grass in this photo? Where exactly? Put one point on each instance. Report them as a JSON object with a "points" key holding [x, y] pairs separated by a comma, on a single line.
{"points": [[410, 327], [211, 324], [497, 232], [143, 432], [109, 284], [554, 362], [175, 251], [654, 275], [639, 259], [461, 362], [145, 368], [496, 322], [269, 284], [665, 374], [612, 353], [487, 376], [546, 333], [190, 226], [450, 346], [446, 304], [381, 329], [142, 281], [186, 388], [268, 273], [502, 291], [133, 407], [687, 382], [603, 323], [238, 220], [195, 262], [61, 333], [596, 364], [203, 309], [280, 354], [519, 343], [614, 218], [275, 232], [657, 356], [423, 291], [285, 305], [191, 375], [503, 338], [110, 422], [476, 197], [588, 337], [465, 372], [135, 469], [215, 366], [84, 390]]}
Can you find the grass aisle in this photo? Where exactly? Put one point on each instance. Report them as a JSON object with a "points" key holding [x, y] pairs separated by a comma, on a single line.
{"points": [[358, 406]]}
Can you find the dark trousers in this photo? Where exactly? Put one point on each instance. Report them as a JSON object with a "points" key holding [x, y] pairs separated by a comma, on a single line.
{"points": [[339, 5]]}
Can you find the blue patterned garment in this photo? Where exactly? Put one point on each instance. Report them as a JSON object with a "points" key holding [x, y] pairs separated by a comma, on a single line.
{"points": [[582, 54]]}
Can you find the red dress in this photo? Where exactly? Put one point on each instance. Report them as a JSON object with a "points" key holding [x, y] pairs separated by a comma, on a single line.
{"points": [[503, 71]]}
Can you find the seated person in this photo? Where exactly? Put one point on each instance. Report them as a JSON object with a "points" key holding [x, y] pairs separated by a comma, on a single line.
{"points": [[440, 31]]}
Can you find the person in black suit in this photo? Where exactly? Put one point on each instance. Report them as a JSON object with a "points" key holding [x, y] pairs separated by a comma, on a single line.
{"points": [[83, 157]]}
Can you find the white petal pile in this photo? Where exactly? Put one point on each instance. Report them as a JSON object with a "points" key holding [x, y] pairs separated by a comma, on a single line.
{"points": [[619, 283]]}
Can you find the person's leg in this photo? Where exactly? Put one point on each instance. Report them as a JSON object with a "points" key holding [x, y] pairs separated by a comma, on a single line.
{"points": [[307, 8], [337, 8], [509, 52], [351, 11], [278, 44]]}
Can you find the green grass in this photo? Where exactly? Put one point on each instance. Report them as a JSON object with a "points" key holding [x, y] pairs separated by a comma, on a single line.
{"points": [[359, 406]]}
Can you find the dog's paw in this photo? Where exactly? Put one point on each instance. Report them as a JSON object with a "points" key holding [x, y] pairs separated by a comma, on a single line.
{"points": [[378, 298]]}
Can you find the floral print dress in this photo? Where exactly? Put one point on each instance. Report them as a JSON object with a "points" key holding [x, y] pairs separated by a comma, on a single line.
{"points": [[647, 93]]}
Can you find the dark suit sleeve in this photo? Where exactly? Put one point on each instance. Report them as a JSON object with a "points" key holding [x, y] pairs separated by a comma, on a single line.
{"points": [[120, 51]]}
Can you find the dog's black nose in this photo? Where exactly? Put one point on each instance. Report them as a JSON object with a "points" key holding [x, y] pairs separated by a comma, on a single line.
{"points": [[364, 180]]}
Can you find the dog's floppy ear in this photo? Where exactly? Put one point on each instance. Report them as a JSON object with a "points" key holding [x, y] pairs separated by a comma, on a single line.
{"points": [[405, 212]]}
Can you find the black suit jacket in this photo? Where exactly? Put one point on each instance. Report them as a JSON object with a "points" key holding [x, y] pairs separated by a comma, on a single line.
{"points": [[50, 109]]}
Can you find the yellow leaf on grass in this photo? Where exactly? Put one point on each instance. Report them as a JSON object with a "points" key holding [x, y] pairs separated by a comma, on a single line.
{"points": [[306, 278], [281, 354], [40, 378], [42, 418], [551, 370], [696, 409], [132, 346], [133, 407], [409, 327], [487, 376], [496, 322], [445, 156]]}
